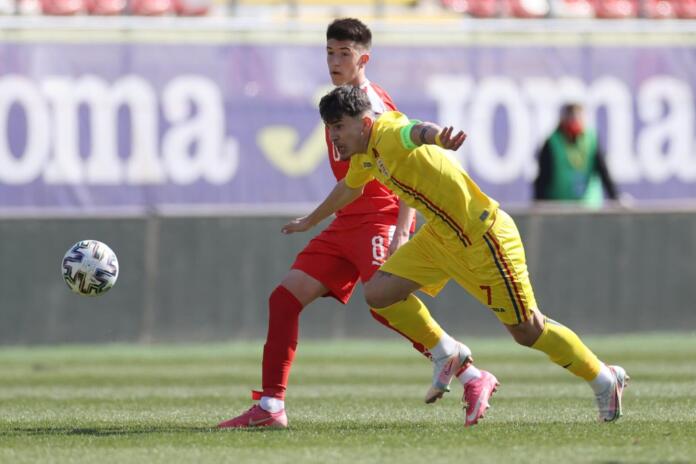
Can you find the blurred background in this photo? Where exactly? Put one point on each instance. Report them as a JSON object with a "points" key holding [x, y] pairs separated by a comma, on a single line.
{"points": [[184, 133]]}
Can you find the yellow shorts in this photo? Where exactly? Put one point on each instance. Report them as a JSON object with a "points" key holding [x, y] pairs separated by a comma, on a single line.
{"points": [[493, 268]]}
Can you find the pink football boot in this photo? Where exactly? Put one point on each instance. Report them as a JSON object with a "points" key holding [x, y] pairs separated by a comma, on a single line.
{"points": [[477, 392], [256, 416]]}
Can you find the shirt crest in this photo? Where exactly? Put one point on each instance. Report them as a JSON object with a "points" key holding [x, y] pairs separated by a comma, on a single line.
{"points": [[380, 164]]}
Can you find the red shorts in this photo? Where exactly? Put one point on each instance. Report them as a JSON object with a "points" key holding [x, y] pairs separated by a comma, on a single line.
{"points": [[342, 253]]}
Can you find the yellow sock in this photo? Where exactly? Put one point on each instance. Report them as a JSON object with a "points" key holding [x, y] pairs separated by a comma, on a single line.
{"points": [[412, 318], [566, 349]]}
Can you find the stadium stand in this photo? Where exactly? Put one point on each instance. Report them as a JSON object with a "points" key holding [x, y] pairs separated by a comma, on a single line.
{"points": [[106, 7], [604, 9], [530, 8], [192, 7], [475, 8], [151, 7], [616, 9], [387, 9], [62, 7], [572, 9], [686, 9], [658, 9]]}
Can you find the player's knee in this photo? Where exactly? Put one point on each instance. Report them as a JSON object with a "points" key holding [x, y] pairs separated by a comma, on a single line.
{"points": [[524, 338], [281, 300], [526, 334], [375, 298], [303, 287]]}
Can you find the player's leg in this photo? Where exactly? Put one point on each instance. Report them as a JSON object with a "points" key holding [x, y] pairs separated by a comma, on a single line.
{"points": [[565, 348], [406, 314], [285, 304], [368, 249], [508, 292], [296, 290], [390, 293], [317, 271]]}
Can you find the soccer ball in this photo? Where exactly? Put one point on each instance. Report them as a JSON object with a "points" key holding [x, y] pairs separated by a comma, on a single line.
{"points": [[90, 268]]}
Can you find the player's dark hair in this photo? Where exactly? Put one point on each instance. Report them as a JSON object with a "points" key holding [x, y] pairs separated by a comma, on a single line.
{"points": [[350, 29], [570, 108], [344, 100]]}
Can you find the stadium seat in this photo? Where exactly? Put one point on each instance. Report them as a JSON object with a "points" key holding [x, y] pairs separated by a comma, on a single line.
{"points": [[106, 7], [685, 9], [616, 9], [658, 9], [192, 7], [529, 8], [573, 8], [62, 7], [477, 8], [151, 7]]}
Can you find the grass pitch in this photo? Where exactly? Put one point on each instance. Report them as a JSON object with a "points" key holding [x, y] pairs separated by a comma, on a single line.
{"points": [[353, 401]]}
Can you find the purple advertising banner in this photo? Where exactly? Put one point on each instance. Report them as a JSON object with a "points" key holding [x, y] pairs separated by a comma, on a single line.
{"points": [[89, 125]]}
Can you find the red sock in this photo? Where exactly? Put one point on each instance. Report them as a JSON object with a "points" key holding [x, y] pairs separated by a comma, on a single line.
{"points": [[281, 341]]}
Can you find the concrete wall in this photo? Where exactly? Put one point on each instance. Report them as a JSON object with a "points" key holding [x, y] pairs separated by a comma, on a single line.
{"points": [[208, 278]]}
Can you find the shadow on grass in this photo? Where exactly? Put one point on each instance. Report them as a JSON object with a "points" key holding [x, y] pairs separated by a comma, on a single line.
{"points": [[103, 431], [350, 427], [143, 430]]}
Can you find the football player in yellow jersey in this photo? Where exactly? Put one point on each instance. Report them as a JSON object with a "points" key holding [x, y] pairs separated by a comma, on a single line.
{"points": [[467, 237], [350, 249]]}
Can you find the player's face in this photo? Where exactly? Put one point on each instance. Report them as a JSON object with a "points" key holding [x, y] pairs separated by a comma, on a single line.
{"points": [[350, 135], [346, 62], [574, 117]]}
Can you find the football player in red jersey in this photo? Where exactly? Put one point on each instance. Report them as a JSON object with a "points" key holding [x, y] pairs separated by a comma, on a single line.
{"points": [[352, 247]]}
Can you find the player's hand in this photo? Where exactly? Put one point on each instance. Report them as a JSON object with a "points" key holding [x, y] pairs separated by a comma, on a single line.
{"points": [[297, 225], [448, 141], [398, 240]]}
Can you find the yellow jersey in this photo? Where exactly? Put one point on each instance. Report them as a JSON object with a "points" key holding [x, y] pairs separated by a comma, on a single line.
{"points": [[425, 177]]}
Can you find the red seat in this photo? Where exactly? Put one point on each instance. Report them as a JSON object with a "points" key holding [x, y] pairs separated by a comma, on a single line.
{"points": [[685, 9], [484, 8], [529, 8], [613, 9], [106, 7], [658, 9], [61, 7], [477, 8], [151, 7], [192, 7]]}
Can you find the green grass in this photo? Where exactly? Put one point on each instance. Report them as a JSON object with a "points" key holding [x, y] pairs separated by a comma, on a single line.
{"points": [[355, 401]]}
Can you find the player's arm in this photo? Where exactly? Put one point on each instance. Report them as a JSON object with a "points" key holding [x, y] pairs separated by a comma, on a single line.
{"points": [[340, 196], [402, 232], [543, 180], [428, 133]]}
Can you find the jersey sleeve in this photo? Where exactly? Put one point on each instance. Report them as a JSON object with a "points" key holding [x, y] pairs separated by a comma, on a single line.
{"points": [[405, 134], [358, 173], [395, 132]]}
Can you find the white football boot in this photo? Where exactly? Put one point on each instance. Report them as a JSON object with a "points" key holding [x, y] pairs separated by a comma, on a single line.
{"points": [[443, 371], [609, 402]]}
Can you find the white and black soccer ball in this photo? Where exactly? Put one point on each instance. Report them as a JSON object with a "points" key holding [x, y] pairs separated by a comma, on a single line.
{"points": [[90, 268]]}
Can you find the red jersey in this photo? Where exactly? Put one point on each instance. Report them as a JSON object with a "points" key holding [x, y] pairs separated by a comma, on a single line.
{"points": [[376, 198]]}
